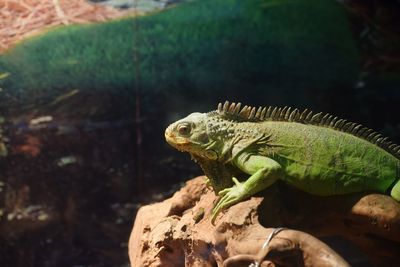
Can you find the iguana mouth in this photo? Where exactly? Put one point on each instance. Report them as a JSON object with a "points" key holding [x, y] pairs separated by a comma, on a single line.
{"points": [[174, 140]]}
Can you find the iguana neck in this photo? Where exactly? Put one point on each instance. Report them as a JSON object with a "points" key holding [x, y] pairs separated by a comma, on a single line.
{"points": [[230, 138], [219, 176], [222, 134]]}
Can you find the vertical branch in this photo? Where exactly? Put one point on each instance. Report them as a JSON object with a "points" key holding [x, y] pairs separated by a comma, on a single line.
{"points": [[137, 92]]}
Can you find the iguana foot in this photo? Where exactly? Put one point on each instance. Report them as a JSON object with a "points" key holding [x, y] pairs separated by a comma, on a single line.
{"points": [[230, 196]]}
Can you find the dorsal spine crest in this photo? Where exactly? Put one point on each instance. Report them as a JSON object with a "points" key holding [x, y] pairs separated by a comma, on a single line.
{"points": [[234, 112]]}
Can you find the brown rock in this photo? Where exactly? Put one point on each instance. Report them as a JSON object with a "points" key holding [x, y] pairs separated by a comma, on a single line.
{"points": [[178, 231]]}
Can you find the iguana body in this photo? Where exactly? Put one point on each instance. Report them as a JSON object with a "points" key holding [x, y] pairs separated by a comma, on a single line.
{"points": [[316, 153]]}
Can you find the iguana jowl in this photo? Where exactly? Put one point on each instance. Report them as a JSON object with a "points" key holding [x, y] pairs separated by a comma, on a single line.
{"points": [[317, 153]]}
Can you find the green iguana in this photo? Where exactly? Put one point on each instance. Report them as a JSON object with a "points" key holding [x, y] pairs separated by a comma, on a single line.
{"points": [[317, 153]]}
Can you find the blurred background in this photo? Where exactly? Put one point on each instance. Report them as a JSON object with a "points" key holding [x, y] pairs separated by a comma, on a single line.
{"points": [[88, 87]]}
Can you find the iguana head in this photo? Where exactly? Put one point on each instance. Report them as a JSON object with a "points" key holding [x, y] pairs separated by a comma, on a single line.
{"points": [[191, 135]]}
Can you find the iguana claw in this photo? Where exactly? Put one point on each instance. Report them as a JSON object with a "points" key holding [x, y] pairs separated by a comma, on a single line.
{"points": [[230, 196]]}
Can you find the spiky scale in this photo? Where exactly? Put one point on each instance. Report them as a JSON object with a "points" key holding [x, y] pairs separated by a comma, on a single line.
{"points": [[303, 115], [258, 113], [392, 146], [325, 118], [287, 114], [297, 116], [278, 114], [283, 113], [243, 112], [371, 136], [362, 131], [252, 113], [316, 118], [338, 123], [351, 128], [231, 108], [328, 120], [248, 111], [225, 107], [263, 112], [249, 108], [269, 112], [367, 133], [333, 122], [376, 136], [220, 107], [346, 126], [356, 128], [309, 116], [389, 143], [273, 113], [237, 108], [293, 115], [343, 125]]}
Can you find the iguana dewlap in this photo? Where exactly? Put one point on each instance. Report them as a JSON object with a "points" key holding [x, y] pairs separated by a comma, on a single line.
{"points": [[317, 153]]}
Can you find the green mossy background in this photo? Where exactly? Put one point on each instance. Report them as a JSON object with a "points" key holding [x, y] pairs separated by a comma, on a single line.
{"points": [[202, 48]]}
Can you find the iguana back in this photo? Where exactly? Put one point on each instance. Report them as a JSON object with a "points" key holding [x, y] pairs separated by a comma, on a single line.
{"points": [[325, 161]]}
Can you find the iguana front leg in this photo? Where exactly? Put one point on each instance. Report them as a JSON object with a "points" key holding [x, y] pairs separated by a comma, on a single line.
{"points": [[264, 172]]}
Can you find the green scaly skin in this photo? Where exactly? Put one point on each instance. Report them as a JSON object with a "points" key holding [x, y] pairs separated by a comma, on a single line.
{"points": [[318, 159]]}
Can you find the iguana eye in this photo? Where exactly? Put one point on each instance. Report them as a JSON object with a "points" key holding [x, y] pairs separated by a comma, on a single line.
{"points": [[184, 129]]}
